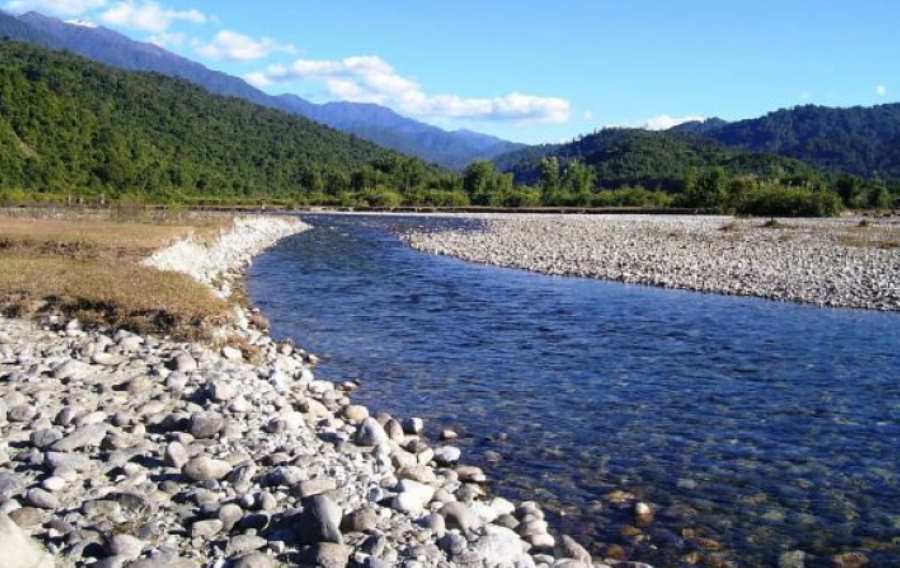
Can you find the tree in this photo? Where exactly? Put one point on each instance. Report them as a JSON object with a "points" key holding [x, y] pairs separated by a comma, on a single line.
{"points": [[848, 187], [550, 179], [710, 189], [579, 180]]}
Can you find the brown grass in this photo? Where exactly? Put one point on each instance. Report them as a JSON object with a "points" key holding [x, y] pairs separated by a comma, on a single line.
{"points": [[90, 268]]}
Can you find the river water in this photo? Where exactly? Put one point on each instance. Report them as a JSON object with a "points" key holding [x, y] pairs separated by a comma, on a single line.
{"points": [[753, 427]]}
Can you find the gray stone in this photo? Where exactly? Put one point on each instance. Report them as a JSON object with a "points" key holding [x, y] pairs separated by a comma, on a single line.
{"points": [[125, 546], [370, 433], [315, 487], [230, 515], [71, 369], [42, 499], [90, 435], [319, 522], [206, 528], [327, 555], [459, 516], [206, 424], [46, 437], [21, 413], [182, 362], [447, 455], [18, 549], [360, 520], [176, 455], [10, 485], [244, 543], [568, 547], [204, 468], [254, 560]]}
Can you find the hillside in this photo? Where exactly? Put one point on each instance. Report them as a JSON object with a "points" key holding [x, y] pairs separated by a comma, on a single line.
{"points": [[864, 141], [657, 160], [71, 125], [371, 122]]}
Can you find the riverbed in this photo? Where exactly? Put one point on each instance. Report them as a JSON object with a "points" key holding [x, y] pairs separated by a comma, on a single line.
{"points": [[754, 428]]}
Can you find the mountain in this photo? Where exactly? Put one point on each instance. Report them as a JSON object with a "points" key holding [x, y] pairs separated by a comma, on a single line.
{"points": [[656, 160], [70, 125], [371, 122], [699, 126], [864, 141]]}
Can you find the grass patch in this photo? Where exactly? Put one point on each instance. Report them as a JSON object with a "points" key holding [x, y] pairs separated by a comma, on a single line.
{"points": [[89, 268]]}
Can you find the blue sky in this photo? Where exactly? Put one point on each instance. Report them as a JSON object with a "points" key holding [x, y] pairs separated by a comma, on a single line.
{"points": [[532, 70]]}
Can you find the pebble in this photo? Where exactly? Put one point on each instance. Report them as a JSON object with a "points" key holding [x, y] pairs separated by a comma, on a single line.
{"points": [[204, 468]]}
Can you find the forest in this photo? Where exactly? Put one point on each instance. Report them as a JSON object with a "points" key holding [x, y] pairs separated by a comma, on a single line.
{"points": [[74, 131]]}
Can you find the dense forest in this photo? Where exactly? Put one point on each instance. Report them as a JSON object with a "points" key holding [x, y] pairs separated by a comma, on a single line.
{"points": [[858, 140], [73, 128], [624, 157], [378, 124], [632, 167]]}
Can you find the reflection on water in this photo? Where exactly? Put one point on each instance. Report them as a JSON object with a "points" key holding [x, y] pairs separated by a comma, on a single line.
{"points": [[754, 428]]}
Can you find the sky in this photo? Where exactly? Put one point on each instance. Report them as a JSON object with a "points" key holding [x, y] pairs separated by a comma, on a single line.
{"points": [[528, 70]]}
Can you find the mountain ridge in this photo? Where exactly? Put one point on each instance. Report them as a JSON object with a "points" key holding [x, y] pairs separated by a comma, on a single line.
{"points": [[375, 123]]}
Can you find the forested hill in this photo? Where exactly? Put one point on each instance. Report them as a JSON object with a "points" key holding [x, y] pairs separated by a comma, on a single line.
{"points": [[864, 141], [68, 125], [633, 157], [372, 122]]}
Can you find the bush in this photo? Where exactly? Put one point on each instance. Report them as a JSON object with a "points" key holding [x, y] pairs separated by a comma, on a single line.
{"points": [[381, 198], [521, 198], [632, 197], [777, 201]]}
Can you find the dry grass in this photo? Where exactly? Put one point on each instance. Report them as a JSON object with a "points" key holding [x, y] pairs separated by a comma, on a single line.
{"points": [[89, 268]]}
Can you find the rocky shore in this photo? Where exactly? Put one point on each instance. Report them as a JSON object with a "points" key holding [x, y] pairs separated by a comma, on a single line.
{"points": [[120, 450], [837, 263]]}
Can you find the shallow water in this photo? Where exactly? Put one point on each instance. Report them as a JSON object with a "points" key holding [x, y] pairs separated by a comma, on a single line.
{"points": [[762, 426]]}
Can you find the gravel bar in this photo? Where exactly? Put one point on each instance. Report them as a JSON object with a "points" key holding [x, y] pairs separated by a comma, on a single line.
{"points": [[847, 263]]}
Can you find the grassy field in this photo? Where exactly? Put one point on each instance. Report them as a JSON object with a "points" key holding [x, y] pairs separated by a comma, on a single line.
{"points": [[88, 266]]}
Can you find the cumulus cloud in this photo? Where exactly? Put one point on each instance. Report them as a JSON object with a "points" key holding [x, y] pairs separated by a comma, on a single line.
{"points": [[661, 122], [168, 39], [149, 16], [64, 8], [238, 47], [370, 79], [881, 90], [665, 122]]}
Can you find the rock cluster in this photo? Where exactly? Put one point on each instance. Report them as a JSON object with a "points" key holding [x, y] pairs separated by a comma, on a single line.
{"points": [[180, 456], [826, 262], [120, 450]]}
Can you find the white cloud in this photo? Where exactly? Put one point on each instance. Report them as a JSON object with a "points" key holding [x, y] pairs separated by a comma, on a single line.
{"points": [[168, 39], [588, 115], [371, 79], [65, 8], [881, 90], [665, 122], [238, 47], [149, 16], [661, 122]]}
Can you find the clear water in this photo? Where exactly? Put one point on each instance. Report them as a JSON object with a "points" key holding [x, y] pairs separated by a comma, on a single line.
{"points": [[765, 427]]}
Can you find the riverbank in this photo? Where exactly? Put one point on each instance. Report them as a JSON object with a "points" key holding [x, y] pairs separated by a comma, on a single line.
{"points": [[848, 263], [131, 449]]}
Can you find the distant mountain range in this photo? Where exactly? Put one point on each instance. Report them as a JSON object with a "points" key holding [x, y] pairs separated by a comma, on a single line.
{"points": [[452, 149], [864, 141], [860, 141], [71, 126], [629, 157]]}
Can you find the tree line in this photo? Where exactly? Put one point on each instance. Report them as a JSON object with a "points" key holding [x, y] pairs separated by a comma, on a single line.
{"points": [[75, 131]]}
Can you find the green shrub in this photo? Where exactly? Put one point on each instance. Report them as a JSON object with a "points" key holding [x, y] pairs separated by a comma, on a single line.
{"points": [[774, 200]]}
